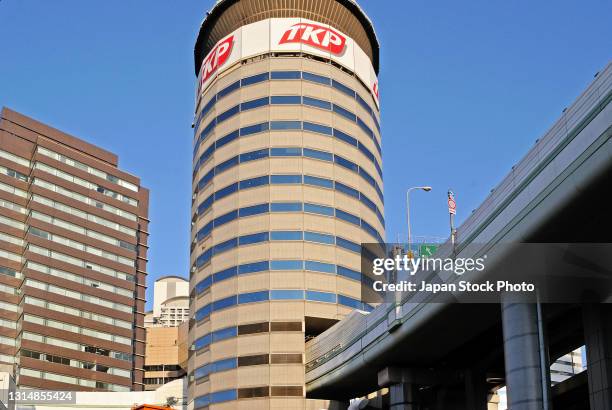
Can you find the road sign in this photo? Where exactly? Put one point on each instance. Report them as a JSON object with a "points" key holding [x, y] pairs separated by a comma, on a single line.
{"points": [[452, 206], [427, 250]]}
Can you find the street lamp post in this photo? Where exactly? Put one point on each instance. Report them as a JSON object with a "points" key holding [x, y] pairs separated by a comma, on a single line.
{"points": [[422, 188]]}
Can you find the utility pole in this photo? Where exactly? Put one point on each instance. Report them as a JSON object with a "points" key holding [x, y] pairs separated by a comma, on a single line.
{"points": [[452, 210]]}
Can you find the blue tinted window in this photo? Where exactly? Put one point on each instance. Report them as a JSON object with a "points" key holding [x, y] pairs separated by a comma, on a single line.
{"points": [[253, 267], [364, 127], [315, 102], [205, 204], [226, 139], [347, 217], [286, 99], [207, 107], [226, 165], [339, 86], [249, 105], [346, 244], [229, 113], [204, 258], [350, 302], [286, 295], [203, 312], [369, 228], [201, 401], [206, 229], [363, 103], [286, 75], [286, 206], [286, 179], [345, 163], [253, 297], [254, 238], [203, 285], [347, 190], [320, 267], [254, 155], [223, 219], [348, 273], [203, 342], [320, 296], [286, 265], [223, 334], [367, 177], [254, 182], [286, 152], [254, 210], [366, 152], [221, 396], [315, 78], [286, 125], [225, 246], [228, 190], [224, 303], [257, 78], [367, 202], [203, 371], [345, 137], [229, 89], [225, 364], [313, 153], [206, 154], [226, 274], [318, 128], [206, 179], [310, 180], [253, 129], [286, 235], [344, 112], [319, 237], [319, 209]]}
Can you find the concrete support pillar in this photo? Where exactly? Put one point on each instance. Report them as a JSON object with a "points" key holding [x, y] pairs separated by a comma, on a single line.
{"points": [[526, 357], [597, 319], [404, 396]]}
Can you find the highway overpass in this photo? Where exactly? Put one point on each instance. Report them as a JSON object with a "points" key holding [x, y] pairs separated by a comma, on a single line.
{"points": [[452, 355]]}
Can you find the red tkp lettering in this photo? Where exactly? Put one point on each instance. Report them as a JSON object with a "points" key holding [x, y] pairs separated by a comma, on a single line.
{"points": [[314, 35], [216, 58]]}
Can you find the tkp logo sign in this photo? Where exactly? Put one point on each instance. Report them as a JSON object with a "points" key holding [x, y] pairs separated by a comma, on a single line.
{"points": [[314, 35], [216, 58]]}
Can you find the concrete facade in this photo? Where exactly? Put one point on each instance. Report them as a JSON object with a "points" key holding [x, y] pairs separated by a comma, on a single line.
{"points": [[285, 188], [73, 254], [165, 355]]}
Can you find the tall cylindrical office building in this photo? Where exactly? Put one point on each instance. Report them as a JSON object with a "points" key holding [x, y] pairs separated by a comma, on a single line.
{"points": [[287, 183]]}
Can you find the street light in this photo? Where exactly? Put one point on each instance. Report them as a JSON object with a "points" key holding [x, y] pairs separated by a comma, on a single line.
{"points": [[422, 188]]}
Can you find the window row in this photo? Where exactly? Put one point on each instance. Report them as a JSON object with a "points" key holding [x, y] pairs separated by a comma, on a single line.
{"points": [[253, 360], [90, 170], [83, 231], [79, 262], [10, 272], [77, 312], [115, 371], [287, 75], [11, 239], [72, 380], [203, 402], [8, 306], [84, 215], [275, 236], [47, 287], [77, 329], [81, 246], [289, 152], [12, 206], [205, 205], [243, 330], [14, 174], [85, 184], [7, 289], [7, 359], [12, 190], [10, 255], [15, 158], [8, 323], [84, 199], [7, 341], [280, 294], [85, 348]]}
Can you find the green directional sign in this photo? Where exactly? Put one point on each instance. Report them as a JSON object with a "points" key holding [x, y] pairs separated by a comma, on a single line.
{"points": [[427, 250]]}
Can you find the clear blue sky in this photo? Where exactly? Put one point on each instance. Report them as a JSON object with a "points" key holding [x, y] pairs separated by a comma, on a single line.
{"points": [[466, 87]]}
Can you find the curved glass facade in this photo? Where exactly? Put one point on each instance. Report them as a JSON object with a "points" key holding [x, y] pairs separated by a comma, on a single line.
{"points": [[287, 184]]}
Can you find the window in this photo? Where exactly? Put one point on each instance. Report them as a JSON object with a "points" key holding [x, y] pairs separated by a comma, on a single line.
{"points": [[347, 190], [319, 209], [252, 392], [346, 163], [325, 183], [254, 328], [313, 153], [253, 129], [286, 179], [253, 267], [319, 238], [344, 113], [350, 302], [225, 274], [228, 217], [254, 210], [286, 294], [223, 334], [315, 102], [286, 125], [224, 303], [254, 155], [253, 297], [286, 99], [320, 267], [224, 140], [253, 360], [229, 89], [286, 391], [318, 128], [286, 265], [345, 216], [286, 152], [226, 165], [286, 235], [345, 137], [349, 273], [254, 238], [346, 244], [286, 326], [254, 182], [343, 88], [254, 79], [315, 78], [222, 193], [249, 105], [286, 207], [286, 75]]}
